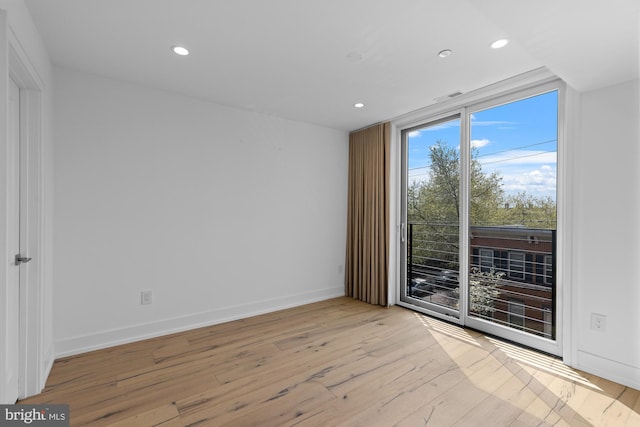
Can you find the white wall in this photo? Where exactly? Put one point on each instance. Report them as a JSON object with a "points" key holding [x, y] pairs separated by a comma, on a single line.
{"points": [[222, 213], [606, 244]]}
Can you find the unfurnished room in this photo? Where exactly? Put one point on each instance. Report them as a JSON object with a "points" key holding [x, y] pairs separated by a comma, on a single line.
{"points": [[320, 213]]}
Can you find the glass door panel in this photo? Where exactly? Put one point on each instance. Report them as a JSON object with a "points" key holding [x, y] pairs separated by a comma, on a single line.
{"points": [[512, 215], [431, 216]]}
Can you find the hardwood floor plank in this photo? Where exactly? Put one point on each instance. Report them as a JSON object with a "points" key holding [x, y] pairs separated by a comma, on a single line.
{"points": [[165, 415], [503, 406], [136, 400], [338, 362], [221, 411], [284, 408]]}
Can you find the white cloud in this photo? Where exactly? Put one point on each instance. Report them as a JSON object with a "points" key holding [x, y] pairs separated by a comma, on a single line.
{"points": [[414, 134], [540, 182], [525, 170], [479, 143]]}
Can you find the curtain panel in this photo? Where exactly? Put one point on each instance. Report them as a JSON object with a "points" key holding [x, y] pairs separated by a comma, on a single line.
{"points": [[367, 260]]}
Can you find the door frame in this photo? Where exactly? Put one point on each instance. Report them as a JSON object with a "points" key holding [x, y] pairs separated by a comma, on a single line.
{"points": [[15, 65], [445, 313], [544, 344], [531, 80]]}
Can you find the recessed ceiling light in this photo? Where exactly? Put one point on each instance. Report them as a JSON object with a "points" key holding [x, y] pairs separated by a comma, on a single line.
{"points": [[358, 105], [445, 53], [180, 50], [499, 43]]}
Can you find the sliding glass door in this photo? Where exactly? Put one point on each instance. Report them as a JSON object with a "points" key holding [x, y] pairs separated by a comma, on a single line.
{"points": [[480, 217], [513, 218], [432, 212]]}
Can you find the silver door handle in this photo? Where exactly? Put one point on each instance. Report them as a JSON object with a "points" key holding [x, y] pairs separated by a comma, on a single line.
{"points": [[21, 259], [403, 232]]}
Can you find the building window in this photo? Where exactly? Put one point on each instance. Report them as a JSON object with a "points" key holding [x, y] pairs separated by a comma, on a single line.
{"points": [[486, 259], [548, 269], [516, 313], [547, 322], [516, 265]]}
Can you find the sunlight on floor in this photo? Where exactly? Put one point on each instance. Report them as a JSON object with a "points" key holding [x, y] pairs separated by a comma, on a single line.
{"points": [[533, 358], [447, 329], [541, 361], [496, 374]]}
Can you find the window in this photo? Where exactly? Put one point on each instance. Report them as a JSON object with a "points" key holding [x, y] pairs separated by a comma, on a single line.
{"points": [[548, 269], [516, 313], [547, 321], [516, 265], [486, 259]]}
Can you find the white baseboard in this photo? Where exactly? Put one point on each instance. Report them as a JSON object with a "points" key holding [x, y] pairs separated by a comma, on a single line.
{"points": [[110, 338], [609, 369]]}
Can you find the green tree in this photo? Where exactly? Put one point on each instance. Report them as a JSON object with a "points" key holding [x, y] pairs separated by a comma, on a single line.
{"points": [[433, 207], [433, 211], [530, 211], [486, 194], [484, 288], [437, 200]]}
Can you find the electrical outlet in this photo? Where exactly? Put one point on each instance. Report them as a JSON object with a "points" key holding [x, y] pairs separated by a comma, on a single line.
{"points": [[340, 269], [598, 322], [145, 297]]}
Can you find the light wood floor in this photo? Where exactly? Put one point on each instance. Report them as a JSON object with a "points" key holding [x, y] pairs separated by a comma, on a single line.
{"points": [[334, 363]]}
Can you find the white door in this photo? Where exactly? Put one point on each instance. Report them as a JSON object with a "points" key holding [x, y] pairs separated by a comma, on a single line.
{"points": [[12, 292]]}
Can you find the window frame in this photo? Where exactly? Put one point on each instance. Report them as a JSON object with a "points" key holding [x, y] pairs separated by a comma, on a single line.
{"points": [[481, 258], [512, 314], [511, 261], [547, 271], [529, 84], [547, 320]]}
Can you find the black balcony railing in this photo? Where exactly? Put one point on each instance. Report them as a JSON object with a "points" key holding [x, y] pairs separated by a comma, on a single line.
{"points": [[511, 273]]}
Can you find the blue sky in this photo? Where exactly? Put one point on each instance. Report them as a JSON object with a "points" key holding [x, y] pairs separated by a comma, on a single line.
{"points": [[518, 140]]}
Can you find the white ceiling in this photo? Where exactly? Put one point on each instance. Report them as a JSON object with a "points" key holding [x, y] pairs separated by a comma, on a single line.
{"points": [[290, 58]]}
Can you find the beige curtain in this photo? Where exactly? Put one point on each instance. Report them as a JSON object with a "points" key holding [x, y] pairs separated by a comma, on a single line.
{"points": [[367, 263]]}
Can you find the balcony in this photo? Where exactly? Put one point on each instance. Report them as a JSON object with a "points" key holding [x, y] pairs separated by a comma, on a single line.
{"points": [[511, 273]]}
